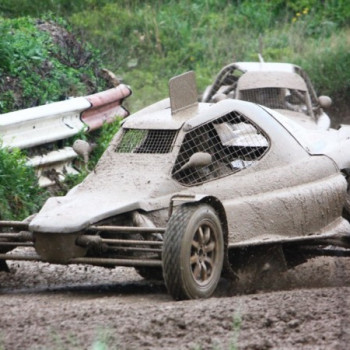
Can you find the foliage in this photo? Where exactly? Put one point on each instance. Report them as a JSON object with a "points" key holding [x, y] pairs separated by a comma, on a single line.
{"points": [[102, 139], [236, 329], [35, 67], [36, 8], [148, 42], [19, 191], [327, 61]]}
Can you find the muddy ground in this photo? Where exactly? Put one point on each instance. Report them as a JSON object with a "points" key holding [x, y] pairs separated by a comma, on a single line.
{"points": [[80, 307]]}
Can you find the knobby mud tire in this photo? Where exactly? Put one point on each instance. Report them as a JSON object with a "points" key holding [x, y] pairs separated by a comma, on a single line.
{"points": [[180, 247]]}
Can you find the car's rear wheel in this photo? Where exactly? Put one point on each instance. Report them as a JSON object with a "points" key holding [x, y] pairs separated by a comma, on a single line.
{"points": [[193, 252]]}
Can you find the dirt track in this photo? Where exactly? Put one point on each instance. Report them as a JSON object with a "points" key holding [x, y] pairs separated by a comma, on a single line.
{"points": [[77, 307]]}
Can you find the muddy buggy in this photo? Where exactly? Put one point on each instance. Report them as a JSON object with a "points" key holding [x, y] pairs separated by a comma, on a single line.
{"points": [[284, 87], [190, 191]]}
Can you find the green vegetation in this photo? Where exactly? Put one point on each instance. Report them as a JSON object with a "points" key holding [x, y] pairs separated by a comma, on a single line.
{"points": [[35, 67], [103, 339], [236, 328], [19, 193], [147, 42]]}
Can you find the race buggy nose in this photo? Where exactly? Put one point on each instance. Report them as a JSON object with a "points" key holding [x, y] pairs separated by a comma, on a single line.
{"points": [[58, 248]]}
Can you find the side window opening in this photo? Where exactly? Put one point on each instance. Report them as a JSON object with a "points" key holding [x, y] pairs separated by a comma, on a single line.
{"points": [[277, 98], [233, 143]]}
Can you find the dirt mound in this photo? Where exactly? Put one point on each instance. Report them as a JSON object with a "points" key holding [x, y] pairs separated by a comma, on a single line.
{"points": [[42, 62]]}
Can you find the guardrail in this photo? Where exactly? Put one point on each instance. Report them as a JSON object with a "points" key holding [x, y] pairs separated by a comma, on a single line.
{"points": [[47, 124], [52, 167], [105, 106], [43, 124]]}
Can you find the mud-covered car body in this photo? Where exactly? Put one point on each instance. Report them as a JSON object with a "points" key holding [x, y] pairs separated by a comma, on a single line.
{"points": [[281, 86], [183, 183]]}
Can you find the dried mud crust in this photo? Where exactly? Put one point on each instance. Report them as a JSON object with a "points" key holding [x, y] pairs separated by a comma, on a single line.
{"points": [[58, 307]]}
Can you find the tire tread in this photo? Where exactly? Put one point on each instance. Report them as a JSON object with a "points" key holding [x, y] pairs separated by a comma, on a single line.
{"points": [[171, 251]]}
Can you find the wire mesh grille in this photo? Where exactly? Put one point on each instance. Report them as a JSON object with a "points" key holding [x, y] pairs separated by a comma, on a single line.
{"points": [[232, 142], [277, 98], [146, 141]]}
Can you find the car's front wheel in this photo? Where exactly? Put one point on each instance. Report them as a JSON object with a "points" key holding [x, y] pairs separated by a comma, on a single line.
{"points": [[193, 252]]}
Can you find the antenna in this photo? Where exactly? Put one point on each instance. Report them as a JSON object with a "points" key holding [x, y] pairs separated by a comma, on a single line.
{"points": [[261, 48], [261, 59]]}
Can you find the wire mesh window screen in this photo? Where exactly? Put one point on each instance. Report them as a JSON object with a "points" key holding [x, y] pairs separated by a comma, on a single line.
{"points": [[277, 98], [233, 143], [146, 141]]}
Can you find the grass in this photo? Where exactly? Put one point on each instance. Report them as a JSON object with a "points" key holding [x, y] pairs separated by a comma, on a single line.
{"points": [[236, 328], [148, 43], [103, 340], [19, 191]]}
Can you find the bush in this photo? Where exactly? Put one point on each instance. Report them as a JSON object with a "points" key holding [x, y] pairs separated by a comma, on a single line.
{"points": [[41, 62], [19, 191]]}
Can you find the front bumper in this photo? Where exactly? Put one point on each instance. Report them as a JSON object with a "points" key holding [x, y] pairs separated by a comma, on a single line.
{"points": [[96, 245]]}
